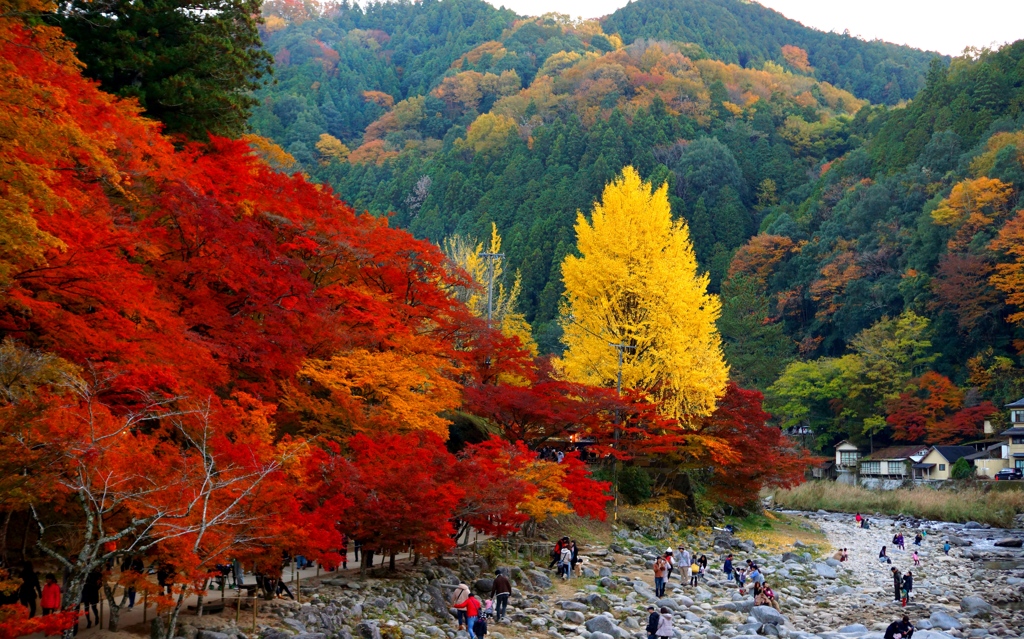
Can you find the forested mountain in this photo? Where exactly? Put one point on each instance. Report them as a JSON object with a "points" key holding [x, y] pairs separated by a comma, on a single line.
{"points": [[748, 34], [866, 255]]}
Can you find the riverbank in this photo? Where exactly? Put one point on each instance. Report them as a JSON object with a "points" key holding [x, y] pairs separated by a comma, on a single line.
{"points": [[998, 508]]}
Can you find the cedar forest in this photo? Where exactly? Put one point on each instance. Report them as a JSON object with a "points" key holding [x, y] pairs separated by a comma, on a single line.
{"points": [[245, 252]]}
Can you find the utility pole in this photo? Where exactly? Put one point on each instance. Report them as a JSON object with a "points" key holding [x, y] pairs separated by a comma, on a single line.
{"points": [[490, 257], [619, 347]]}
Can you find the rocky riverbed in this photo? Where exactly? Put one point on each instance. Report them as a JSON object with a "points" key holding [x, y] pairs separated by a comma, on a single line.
{"points": [[975, 592]]}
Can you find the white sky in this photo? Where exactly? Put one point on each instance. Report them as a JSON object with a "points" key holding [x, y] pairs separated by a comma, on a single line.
{"points": [[947, 26]]}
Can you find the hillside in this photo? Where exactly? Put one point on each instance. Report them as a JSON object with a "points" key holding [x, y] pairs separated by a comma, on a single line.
{"points": [[748, 34]]}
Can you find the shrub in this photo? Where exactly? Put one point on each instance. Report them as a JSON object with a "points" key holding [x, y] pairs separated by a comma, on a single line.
{"points": [[635, 484]]}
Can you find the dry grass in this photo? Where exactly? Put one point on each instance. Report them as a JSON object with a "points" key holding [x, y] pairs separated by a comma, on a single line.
{"points": [[777, 532], [997, 508]]}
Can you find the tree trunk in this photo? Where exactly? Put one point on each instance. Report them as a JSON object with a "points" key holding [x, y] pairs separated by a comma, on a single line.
{"points": [[115, 607], [173, 621], [3, 535], [391, 563]]}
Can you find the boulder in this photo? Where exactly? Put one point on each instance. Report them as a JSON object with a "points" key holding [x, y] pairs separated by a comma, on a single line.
{"points": [[767, 614], [671, 604], [602, 623], [826, 571], [832, 562], [601, 635], [1010, 542], [974, 604], [574, 617], [930, 634], [944, 620], [957, 541], [605, 571], [598, 602], [294, 624], [790, 556], [483, 586], [538, 579], [573, 605], [368, 630], [853, 629], [973, 525], [210, 634]]}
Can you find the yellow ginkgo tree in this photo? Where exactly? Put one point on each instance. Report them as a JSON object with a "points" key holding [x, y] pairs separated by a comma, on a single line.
{"points": [[467, 254], [635, 282]]}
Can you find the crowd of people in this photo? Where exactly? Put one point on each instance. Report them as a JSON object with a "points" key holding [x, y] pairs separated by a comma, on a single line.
{"points": [[472, 614]]}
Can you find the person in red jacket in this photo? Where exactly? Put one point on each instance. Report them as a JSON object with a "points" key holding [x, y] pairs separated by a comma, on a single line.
{"points": [[51, 595], [472, 606]]}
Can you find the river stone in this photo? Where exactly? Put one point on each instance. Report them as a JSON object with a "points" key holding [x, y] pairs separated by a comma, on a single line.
{"points": [[601, 635], [605, 571], [368, 630], [606, 582], [483, 586], [974, 604], [944, 620], [574, 617], [1009, 542], [930, 634], [767, 614], [210, 634], [601, 623], [598, 602], [671, 604], [957, 541], [973, 525], [294, 624], [826, 571], [573, 605], [538, 579], [853, 629]]}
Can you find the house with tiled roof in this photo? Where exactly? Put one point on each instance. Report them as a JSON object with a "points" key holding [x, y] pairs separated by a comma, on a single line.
{"points": [[1009, 452], [938, 462], [892, 463]]}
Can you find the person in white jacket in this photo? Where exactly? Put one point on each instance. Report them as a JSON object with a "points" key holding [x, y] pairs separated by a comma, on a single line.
{"points": [[665, 628], [565, 562]]}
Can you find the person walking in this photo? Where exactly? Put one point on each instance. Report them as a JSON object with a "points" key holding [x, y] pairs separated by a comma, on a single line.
{"points": [[908, 585], [51, 595], [91, 596], [565, 561], [741, 579], [132, 565], [665, 628], [480, 627], [685, 560], [459, 597], [897, 583], [703, 564], [472, 607], [575, 557], [660, 570], [694, 573], [670, 560], [946, 547], [916, 558], [501, 590], [556, 552], [30, 588], [652, 622], [727, 567]]}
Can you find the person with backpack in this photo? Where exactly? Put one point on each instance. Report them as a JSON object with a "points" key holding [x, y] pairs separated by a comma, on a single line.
{"points": [[556, 553], [459, 598], [480, 627], [501, 590], [91, 596], [565, 561], [694, 573], [472, 607], [670, 560]]}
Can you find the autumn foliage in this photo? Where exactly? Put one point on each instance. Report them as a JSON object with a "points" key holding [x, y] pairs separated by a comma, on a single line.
{"points": [[187, 325]]}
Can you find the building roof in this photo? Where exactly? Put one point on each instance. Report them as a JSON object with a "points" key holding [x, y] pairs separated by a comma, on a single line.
{"points": [[953, 453], [1017, 404], [847, 442], [985, 453], [895, 452], [1016, 431], [924, 466]]}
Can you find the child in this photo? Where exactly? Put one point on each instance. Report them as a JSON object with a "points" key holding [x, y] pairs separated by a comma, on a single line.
{"points": [[488, 610], [917, 560], [480, 627], [741, 578], [51, 595], [694, 574]]}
